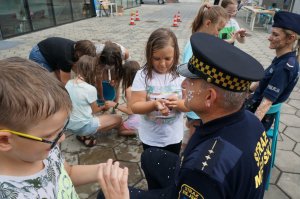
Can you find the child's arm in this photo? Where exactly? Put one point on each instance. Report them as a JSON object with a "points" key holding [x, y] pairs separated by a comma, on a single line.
{"points": [[240, 35], [82, 174], [122, 107], [178, 104], [139, 104], [96, 108], [99, 88]]}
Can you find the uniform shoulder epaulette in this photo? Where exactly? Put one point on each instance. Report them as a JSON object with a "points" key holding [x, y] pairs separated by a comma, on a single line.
{"points": [[290, 63], [216, 158]]}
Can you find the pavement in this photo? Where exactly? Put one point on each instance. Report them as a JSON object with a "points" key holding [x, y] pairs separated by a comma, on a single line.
{"points": [[285, 178]]}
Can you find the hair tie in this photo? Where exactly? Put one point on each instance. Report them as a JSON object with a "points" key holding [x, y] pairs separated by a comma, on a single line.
{"points": [[208, 6]]}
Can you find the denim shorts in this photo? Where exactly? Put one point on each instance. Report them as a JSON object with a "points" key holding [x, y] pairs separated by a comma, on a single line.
{"points": [[88, 129], [36, 56]]}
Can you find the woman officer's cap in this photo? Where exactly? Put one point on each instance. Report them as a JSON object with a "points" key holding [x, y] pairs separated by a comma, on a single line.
{"points": [[287, 20], [221, 64]]}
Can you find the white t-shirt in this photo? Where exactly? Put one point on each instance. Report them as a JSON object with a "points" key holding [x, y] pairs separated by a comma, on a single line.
{"points": [[155, 129], [53, 182], [82, 95]]}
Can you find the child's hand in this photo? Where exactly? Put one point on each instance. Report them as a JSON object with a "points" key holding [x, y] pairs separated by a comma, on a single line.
{"points": [[160, 105], [110, 104], [241, 32], [233, 36]]}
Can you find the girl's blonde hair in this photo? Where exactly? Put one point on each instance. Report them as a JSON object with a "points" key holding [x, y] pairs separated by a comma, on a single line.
{"points": [[296, 46], [160, 39], [207, 12], [225, 3], [85, 67]]}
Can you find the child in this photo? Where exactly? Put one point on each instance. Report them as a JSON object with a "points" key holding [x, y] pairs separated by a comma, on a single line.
{"points": [[84, 96], [129, 126], [58, 55], [210, 19], [31, 129], [109, 72], [100, 46], [232, 30], [156, 91]]}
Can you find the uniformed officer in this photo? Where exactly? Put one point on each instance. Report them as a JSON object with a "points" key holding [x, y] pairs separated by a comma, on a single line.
{"points": [[229, 154], [282, 75]]}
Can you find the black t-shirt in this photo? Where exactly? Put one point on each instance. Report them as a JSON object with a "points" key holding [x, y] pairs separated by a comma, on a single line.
{"points": [[226, 158], [58, 52]]}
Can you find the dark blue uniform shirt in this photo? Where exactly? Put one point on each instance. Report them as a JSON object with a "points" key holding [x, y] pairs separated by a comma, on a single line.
{"points": [[225, 158], [280, 78]]}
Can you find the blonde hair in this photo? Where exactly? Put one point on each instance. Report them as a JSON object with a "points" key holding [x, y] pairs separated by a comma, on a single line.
{"points": [[29, 94], [207, 12], [296, 46]]}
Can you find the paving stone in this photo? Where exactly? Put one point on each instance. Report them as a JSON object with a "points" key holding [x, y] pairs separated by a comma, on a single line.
{"points": [[275, 192], [287, 161], [289, 183], [286, 143], [274, 175], [134, 171], [290, 120], [293, 133], [96, 155], [295, 103], [298, 113], [295, 95], [142, 185], [297, 149], [85, 191], [286, 108], [128, 152]]}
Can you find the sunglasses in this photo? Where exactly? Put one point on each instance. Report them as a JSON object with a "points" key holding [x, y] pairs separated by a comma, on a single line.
{"points": [[35, 138]]}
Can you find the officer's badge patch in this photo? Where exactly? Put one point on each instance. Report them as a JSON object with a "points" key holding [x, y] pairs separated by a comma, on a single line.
{"points": [[188, 192]]}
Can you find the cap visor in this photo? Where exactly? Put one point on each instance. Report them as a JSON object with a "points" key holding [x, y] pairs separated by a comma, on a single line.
{"points": [[185, 72]]}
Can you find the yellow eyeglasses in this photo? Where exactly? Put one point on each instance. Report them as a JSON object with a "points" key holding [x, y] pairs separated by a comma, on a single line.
{"points": [[35, 138]]}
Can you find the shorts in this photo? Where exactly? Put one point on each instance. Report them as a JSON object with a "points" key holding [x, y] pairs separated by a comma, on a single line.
{"points": [[88, 129], [132, 122], [36, 56]]}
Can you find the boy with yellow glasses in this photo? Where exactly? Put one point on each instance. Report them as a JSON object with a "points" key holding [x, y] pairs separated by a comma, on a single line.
{"points": [[34, 112]]}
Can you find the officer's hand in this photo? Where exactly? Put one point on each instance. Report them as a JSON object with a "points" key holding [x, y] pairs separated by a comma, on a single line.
{"points": [[172, 101], [113, 180]]}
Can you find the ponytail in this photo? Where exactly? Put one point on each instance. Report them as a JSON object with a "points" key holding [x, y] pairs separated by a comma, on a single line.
{"points": [[208, 12]]}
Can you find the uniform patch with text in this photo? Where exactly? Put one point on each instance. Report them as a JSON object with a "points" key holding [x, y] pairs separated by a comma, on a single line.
{"points": [[188, 192]]}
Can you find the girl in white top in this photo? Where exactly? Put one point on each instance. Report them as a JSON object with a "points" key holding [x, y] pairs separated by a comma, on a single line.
{"points": [[156, 94], [83, 122]]}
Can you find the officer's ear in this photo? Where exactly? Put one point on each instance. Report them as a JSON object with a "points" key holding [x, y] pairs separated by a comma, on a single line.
{"points": [[291, 38], [210, 97]]}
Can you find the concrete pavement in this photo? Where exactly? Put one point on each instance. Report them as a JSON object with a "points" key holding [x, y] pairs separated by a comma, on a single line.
{"points": [[285, 178]]}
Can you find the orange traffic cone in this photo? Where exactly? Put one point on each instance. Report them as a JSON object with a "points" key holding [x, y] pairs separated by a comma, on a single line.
{"points": [[178, 17], [137, 17], [175, 21], [131, 21]]}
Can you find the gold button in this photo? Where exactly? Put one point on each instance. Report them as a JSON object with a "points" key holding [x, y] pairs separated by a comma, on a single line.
{"points": [[209, 80]]}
